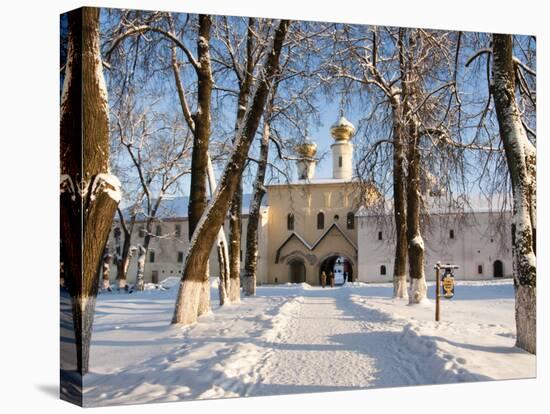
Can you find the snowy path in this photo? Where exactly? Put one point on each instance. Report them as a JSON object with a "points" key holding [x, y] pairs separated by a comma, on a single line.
{"points": [[333, 343], [299, 339], [317, 351]]}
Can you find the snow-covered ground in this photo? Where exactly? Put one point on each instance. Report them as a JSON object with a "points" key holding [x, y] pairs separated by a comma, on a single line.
{"points": [[297, 339]]}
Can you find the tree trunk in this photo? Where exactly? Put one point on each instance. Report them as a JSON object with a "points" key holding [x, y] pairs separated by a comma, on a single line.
{"points": [[221, 246], [235, 229], [223, 281], [89, 194], [200, 126], [125, 254], [118, 250], [142, 255], [235, 222], [410, 88], [204, 296], [124, 262], [194, 271], [417, 288], [399, 205], [199, 157], [107, 259], [251, 258], [521, 160], [140, 273]]}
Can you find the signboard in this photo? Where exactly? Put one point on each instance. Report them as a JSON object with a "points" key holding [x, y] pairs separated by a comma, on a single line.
{"points": [[448, 286]]}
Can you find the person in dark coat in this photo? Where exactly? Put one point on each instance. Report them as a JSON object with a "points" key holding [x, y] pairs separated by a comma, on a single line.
{"points": [[331, 279]]}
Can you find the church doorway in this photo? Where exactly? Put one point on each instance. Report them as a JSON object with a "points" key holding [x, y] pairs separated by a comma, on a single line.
{"points": [[297, 271], [340, 266], [498, 269]]}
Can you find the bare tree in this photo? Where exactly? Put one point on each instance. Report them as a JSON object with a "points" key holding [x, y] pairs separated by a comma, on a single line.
{"points": [[159, 157], [292, 105], [244, 45], [162, 25], [124, 253], [188, 301], [89, 193], [521, 160], [251, 258], [409, 76], [221, 244], [127, 217], [245, 78], [381, 76], [372, 74], [510, 154], [199, 160]]}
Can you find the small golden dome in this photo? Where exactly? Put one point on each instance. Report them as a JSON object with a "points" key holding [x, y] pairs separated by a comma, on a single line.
{"points": [[306, 149], [342, 130]]}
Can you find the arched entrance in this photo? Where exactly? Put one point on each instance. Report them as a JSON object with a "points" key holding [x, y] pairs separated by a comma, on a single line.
{"points": [[498, 269], [341, 267], [297, 271]]}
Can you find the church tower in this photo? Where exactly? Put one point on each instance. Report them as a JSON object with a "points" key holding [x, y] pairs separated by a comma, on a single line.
{"points": [[306, 165], [342, 149]]}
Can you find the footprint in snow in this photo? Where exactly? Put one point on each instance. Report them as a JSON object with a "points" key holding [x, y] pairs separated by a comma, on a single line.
{"points": [[224, 352]]}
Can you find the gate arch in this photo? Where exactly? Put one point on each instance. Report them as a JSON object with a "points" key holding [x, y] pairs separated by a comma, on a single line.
{"points": [[327, 263]]}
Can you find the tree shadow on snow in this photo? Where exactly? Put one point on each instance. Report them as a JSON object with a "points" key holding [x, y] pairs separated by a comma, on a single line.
{"points": [[481, 348]]}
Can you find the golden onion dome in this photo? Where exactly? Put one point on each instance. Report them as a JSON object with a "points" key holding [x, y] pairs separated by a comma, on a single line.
{"points": [[307, 148], [342, 130]]}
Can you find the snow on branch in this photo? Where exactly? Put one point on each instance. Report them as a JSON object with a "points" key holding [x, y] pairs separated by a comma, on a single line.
{"points": [[146, 28], [524, 66], [478, 54], [106, 183]]}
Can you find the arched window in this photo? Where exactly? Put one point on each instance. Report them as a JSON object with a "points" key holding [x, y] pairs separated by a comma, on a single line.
{"points": [[350, 221], [383, 270], [320, 221], [290, 221]]}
